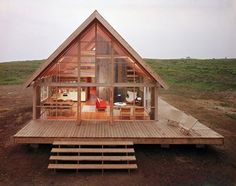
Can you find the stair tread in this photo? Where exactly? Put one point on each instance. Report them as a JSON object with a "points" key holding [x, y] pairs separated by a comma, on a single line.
{"points": [[92, 166], [92, 143], [131, 76], [94, 150], [93, 158]]}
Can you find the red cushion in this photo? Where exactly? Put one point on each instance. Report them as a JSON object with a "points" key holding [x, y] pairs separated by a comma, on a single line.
{"points": [[101, 104]]}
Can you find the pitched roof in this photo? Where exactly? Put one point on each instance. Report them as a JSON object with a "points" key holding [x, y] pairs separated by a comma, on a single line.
{"points": [[80, 29]]}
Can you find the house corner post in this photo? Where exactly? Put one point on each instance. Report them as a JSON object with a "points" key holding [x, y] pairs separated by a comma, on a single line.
{"points": [[156, 102], [36, 101]]}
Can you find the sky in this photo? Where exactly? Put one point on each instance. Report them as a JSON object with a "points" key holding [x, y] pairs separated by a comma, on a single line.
{"points": [[32, 29]]}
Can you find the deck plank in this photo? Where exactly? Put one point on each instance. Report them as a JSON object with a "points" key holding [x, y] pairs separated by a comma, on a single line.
{"points": [[92, 150], [92, 166], [93, 158], [143, 132]]}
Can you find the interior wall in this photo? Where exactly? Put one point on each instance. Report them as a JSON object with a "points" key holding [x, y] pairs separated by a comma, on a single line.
{"points": [[103, 92]]}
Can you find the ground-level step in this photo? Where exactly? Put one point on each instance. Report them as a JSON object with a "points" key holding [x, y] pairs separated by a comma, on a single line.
{"points": [[92, 150], [92, 166], [114, 143], [93, 158]]}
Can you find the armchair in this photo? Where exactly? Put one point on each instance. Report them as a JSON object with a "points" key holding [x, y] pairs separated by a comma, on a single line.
{"points": [[101, 104]]}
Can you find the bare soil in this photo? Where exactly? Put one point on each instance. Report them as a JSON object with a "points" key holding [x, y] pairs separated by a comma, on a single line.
{"points": [[178, 165]]}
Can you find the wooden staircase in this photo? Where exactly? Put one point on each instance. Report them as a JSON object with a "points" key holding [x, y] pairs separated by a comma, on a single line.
{"points": [[92, 155]]}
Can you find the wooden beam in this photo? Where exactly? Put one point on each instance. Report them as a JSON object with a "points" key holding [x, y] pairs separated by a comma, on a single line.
{"points": [[156, 103], [79, 88], [36, 101], [79, 105], [112, 82], [82, 84]]}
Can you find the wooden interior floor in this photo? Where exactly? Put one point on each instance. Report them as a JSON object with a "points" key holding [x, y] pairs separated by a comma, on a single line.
{"points": [[139, 132]]}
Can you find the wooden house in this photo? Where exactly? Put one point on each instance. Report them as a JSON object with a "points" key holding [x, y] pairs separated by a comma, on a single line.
{"points": [[96, 90], [96, 87], [95, 75]]}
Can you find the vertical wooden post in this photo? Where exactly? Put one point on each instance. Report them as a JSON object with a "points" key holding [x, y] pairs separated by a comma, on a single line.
{"points": [[111, 104], [36, 102], [79, 105], [79, 87], [57, 88], [133, 109], [95, 56], [112, 83], [156, 102]]}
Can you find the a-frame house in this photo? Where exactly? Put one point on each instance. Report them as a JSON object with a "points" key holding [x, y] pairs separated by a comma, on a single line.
{"points": [[96, 87], [95, 75]]}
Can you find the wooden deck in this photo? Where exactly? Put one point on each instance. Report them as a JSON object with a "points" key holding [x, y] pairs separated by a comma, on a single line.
{"points": [[139, 132]]}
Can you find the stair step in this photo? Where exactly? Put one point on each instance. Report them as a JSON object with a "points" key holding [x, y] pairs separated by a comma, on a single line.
{"points": [[93, 150], [93, 143], [92, 166], [93, 158], [131, 75]]}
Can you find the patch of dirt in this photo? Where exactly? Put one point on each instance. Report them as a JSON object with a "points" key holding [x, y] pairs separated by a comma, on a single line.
{"points": [[178, 165]]}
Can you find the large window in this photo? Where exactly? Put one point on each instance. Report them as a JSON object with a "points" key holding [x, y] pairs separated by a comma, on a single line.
{"points": [[123, 70], [95, 103], [60, 103], [65, 68], [130, 103], [87, 69], [103, 70]]}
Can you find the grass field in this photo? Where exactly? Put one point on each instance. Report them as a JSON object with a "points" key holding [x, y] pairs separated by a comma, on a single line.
{"points": [[194, 74], [16, 72], [210, 74]]}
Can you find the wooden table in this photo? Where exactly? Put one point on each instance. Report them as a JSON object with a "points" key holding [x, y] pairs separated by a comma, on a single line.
{"points": [[58, 106]]}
